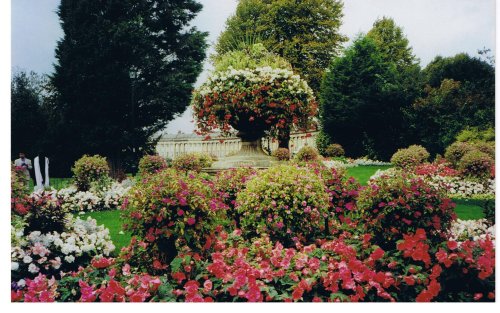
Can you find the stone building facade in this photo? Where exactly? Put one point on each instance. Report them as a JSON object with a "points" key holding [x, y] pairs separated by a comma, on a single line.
{"points": [[172, 145]]}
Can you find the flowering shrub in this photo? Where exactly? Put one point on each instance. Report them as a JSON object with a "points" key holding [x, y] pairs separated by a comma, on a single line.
{"points": [[192, 162], [52, 252], [229, 183], [19, 188], [472, 229], [307, 154], [392, 206], [456, 151], [45, 212], [282, 154], [254, 101], [435, 169], [286, 202], [96, 199], [39, 289], [150, 164], [410, 157], [89, 169], [486, 147], [171, 210], [476, 164], [334, 150], [106, 280]]}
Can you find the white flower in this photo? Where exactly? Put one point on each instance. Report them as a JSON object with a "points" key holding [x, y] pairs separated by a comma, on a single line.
{"points": [[32, 268], [21, 283], [69, 258], [14, 266], [27, 259]]}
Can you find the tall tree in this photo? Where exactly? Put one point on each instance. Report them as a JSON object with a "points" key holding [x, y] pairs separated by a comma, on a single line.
{"points": [[27, 116], [392, 43], [360, 101], [459, 93], [305, 32], [124, 69]]}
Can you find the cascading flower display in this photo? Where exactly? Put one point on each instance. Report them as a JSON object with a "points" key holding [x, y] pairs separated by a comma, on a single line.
{"points": [[254, 100]]}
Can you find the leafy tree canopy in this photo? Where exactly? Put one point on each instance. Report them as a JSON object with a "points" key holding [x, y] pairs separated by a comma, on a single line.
{"points": [[124, 69], [306, 32]]}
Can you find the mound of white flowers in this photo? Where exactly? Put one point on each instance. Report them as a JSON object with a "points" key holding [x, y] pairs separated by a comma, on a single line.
{"points": [[471, 229], [104, 198], [54, 252]]}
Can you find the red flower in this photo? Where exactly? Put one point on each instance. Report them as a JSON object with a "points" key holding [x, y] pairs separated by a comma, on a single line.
{"points": [[102, 262], [191, 221], [452, 245], [377, 254]]}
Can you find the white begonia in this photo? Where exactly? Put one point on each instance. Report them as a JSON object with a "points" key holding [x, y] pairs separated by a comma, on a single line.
{"points": [[69, 258], [21, 283], [32, 268], [14, 266], [27, 259]]}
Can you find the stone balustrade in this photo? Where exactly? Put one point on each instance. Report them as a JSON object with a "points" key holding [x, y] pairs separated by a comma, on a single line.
{"points": [[172, 145]]}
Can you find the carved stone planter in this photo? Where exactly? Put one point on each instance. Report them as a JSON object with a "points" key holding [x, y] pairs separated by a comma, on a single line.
{"points": [[250, 155]]}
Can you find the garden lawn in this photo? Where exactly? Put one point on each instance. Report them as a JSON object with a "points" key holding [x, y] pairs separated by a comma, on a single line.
{"points": [[363, 173], [56, 183], [112, 221], [468, 209]]}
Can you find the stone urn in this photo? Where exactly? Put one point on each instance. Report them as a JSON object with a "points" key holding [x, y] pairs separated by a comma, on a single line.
{"points": [[251, 153]]}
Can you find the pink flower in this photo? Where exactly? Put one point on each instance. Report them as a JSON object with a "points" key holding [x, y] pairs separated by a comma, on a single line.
{"points": [[191, 221], [180, 212]]}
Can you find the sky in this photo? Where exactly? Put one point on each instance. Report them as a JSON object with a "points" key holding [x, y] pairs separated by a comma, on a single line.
{"points": [[433, 27]]}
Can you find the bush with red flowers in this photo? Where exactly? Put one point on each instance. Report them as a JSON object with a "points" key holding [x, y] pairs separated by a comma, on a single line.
{"points": [[150, 164], [169, 210], [287, 202], [393, 206], [254, 101], [229, 183]]}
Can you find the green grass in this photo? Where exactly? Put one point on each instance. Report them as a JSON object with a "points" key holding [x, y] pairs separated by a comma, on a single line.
{"points": [[56, 183], [469, 209], [112, 221], [363, 173]]}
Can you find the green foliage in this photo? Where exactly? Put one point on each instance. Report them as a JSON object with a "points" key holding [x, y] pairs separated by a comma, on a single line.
{"points": [[459, 94], [307, 154], [27, 114], [150, 164], [89, 169], [362, 90], [392, 43], [485, 147], [473, 134], [456, 151], [476, 164], [248, 57], [123, 70], [306, 33], [285, 201], [282, 154], [322, 141], [410, 157], [192, 162], [334, 150]]}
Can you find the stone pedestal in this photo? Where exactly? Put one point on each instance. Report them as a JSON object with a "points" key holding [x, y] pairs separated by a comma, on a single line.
{"points": [[250, 155]]}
